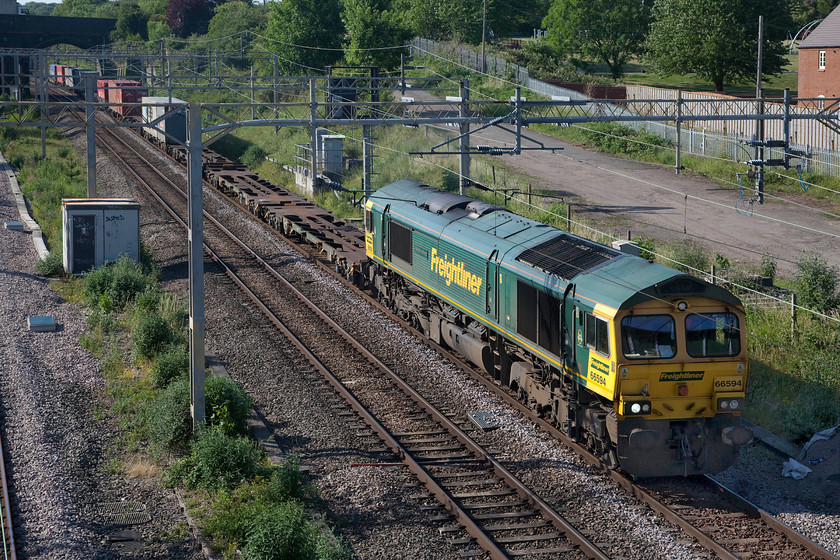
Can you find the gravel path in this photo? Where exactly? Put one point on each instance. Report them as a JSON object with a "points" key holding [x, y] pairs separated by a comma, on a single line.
{"points": [[60, 455]]}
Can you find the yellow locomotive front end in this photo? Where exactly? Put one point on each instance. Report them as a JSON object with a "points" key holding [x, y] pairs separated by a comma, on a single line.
{"points": [[682, 374]]}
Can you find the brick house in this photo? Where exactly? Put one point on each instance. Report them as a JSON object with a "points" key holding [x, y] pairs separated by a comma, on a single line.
{"points": [[819, 60]]}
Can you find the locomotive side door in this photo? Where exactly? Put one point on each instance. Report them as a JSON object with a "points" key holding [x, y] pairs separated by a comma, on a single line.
{"points": [[581, 350], [383, 232], [492, 287]]}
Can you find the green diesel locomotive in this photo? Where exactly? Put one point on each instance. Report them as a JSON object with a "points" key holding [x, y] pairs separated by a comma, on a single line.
{"points": [[644, 364]]}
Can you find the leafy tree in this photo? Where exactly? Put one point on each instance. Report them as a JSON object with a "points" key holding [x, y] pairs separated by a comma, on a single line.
{"points": [[132, 23], [543, 61], [609, 30], [458, 20], [516, 18], [86, 8], [157, 30], [40, 9], [305, 34], [717, 39], [187, 17], [370, 25], [806, 11], [231, 25], [231, 20]]}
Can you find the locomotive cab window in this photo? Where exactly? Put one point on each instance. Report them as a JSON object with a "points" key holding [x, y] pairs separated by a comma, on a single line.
{"points": [[368, 220], [648, 336], [597, 334], [712, 335]]}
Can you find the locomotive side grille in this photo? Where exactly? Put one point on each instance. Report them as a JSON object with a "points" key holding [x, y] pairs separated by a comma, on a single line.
{"points": [[566, 257], [400, 241]]}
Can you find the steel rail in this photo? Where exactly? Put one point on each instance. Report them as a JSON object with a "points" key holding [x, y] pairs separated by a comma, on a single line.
{"points": [[9, 551], [774, 523], [623, 481], [630, 486], [484, 540]]}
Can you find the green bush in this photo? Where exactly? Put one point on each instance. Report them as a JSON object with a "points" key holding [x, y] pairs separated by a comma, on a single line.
{"points": [[127, 282], [227, 406], [51, 266], [621, 139], [282, 532], [147, 302], [253, 156], [647, 247], [170, 365], [168, 422], [331, 548], [233, 512], [816, 283], [122, 281], [768, 266], [690, 256], [220, 461], [288, 482], [151, 336]]}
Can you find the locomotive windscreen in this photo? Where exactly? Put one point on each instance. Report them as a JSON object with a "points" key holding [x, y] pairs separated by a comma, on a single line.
{"points": [[566, 256]]}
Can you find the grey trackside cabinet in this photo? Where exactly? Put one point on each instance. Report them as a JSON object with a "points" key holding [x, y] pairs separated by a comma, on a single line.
{"points": [[99, 230]]}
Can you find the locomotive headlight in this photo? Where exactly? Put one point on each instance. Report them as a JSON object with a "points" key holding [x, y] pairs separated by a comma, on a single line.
{"points": [[730, 404], [636, 407]]}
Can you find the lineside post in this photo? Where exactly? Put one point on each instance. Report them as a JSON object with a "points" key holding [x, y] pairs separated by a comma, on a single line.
{"points": [[90, 129], [195, 238], [464, 142], [679, 131], [43, 88], [276, 93], [367, 160], [313, 137]]}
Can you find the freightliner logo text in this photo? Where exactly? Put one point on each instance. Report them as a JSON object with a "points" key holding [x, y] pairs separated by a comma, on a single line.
{"points": [[681, 376], [455, 273]]}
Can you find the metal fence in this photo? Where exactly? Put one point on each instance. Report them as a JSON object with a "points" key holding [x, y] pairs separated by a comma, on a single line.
{"points": [[720, 138], [728, 138]]}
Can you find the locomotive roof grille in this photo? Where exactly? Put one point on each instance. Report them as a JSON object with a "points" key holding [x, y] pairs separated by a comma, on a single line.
{"points": [[443, 202], [566, 256]]}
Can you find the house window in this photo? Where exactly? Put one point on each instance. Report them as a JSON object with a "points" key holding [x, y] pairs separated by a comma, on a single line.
{"points": [[822, 60], [821, 102]]}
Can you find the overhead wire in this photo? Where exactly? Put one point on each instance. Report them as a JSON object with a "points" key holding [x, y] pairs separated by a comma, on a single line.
{"points": [[607, 235]]}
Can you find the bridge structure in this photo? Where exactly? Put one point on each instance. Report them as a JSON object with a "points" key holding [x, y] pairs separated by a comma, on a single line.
{"points": [[25, 32]]}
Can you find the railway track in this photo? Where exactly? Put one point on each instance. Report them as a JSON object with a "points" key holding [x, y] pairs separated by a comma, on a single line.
{"points": [[494, 511], [738, 530], [7, 528]]}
